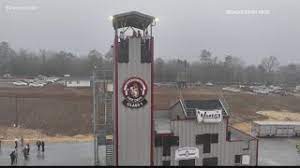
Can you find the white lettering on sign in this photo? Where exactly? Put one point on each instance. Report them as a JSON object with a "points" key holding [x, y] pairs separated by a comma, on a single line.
{"points": [[211, 116], [186, 153]]}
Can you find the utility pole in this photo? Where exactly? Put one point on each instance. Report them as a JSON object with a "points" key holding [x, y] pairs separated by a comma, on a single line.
{"points": [[17, 117], [96, 158]]}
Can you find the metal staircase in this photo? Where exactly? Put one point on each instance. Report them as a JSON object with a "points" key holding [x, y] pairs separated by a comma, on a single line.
{"points": [[103, 117], [109, 151]]}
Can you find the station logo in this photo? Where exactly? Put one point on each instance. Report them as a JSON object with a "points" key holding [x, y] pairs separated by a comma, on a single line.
{"points": [[134, 91]]}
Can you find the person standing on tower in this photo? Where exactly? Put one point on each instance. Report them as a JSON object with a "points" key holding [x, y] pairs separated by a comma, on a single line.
{"points": [[122, 35], [133, 33], [139, 35]]}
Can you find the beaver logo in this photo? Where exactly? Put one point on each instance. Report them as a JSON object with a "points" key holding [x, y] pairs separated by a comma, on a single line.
{"points": [[134, 91]]}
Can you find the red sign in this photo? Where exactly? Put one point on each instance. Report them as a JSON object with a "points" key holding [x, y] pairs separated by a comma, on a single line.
{"points": [[134, 91]]}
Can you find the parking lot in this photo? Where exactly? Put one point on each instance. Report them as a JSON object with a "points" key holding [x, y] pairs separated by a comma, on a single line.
{"points": [[278, 151], [272, 151]]}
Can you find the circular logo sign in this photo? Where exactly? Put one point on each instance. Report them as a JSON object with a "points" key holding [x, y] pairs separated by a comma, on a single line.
{"points": [[134, 91]]}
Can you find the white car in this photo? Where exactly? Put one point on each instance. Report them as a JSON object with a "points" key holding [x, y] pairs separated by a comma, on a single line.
{"points": [[34, 84], [20, 83], [67, 75], [209, 84], [52, 79]]}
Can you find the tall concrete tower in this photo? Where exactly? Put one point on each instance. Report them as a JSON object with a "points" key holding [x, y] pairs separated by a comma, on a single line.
{"points": [[133, 85]]}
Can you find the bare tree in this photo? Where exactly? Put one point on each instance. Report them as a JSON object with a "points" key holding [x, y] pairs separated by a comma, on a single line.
{"points": [[270, 64], [205, 57]]}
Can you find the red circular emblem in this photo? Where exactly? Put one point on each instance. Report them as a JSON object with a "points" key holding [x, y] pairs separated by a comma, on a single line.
{"points": [[134, 91]]}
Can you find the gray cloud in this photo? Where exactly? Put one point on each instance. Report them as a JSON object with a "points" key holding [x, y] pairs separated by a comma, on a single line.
{"points": [[185, 28]]}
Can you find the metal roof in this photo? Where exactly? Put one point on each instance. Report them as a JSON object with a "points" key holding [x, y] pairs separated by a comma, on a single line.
{"points": [[277, 122], [192, 105], [203, 104], [133, 19]]}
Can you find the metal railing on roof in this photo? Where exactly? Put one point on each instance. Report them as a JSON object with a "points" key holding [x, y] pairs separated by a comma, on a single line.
{"points": [[225, 105]]}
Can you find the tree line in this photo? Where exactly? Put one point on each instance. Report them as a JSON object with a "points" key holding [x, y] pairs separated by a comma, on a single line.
{"points": [[50, 63], [207, 68], [232, 69]]}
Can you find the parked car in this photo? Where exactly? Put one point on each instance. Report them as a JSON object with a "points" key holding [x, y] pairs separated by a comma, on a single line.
{"points": [[67, 75], [20, 83], [34, 84], [52, 79], [209, 84]]}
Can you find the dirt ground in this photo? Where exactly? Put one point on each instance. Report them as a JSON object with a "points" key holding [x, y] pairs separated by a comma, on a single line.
{"points": [[8, 135], [243, 106], [53, 110], [64, 113], [270, 116]]}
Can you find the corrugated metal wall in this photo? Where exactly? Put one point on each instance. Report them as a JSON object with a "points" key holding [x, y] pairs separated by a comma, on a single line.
{"points": [[134, 125], [276, 130], [224, 150]]}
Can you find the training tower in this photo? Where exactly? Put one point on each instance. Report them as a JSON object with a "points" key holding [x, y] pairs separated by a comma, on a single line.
{"points": [[133, 85]]}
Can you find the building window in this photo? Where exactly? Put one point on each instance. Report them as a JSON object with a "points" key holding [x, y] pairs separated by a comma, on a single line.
{"points": [[206, 140], [173, 140], [70, 82], [166, 163], [247, 144], [237, 159], [228, 136], [124, 51], [158, 141], [78, 82], [214, 138], [166, 142], [166, 150], [213, 161], [190, 162], [206, 148]]}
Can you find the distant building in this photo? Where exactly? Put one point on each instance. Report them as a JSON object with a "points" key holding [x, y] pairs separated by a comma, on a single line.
{"points": [[7, 75], [297, 89], [77, 82], [194, 132], [42, 77], [275, 128]]}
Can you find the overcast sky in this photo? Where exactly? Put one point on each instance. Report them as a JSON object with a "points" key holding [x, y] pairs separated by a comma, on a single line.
{"points": [[185, 27]]}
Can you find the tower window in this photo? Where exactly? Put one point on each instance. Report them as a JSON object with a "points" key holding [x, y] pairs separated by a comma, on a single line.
{"points": [[124, 51]]}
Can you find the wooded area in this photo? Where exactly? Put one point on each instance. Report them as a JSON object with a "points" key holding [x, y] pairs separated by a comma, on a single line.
{"points": [[208, 68]]}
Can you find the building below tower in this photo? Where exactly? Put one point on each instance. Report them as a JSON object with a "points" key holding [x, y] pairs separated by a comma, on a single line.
{"points": [[194, 132]]}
